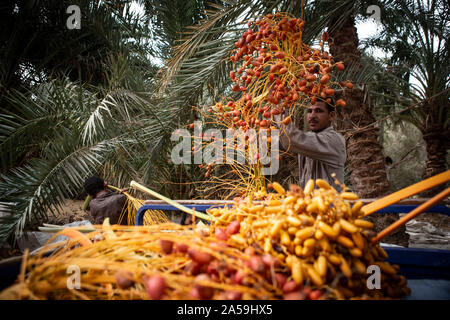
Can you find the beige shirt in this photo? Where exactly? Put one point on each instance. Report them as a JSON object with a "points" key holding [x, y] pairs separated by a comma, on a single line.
{"points": [[319, 154]]}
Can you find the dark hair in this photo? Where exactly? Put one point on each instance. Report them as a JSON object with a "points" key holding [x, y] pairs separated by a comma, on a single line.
{"points": [[330, 106], [93, 185], [389, 160]]}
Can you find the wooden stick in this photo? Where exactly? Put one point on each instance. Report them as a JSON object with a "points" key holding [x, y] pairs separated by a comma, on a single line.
{"points": [[136, 185], [406, 192], [436, 199]]}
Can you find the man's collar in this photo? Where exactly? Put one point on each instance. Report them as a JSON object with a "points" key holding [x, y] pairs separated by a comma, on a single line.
{"points": [[105, 194], [329, 128]]}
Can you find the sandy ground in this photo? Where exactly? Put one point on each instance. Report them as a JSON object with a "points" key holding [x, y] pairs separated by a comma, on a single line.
{"points": [[72, 211]]}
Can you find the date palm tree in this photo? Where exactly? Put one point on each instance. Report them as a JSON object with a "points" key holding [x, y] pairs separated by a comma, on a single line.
{"points": [[416, 34], [366, 164], [36, 44], [100, 115], [364, 152], [56, 128], [200, 63]]}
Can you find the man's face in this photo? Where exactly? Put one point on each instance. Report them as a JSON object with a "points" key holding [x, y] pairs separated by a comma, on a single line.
{"points": [[318, 117]]}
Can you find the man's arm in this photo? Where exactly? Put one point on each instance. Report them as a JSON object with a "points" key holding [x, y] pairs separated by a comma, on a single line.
{"points": [[324, 146]]}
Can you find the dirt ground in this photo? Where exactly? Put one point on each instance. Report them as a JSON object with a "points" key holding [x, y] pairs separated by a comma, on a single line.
{"points": [[72, 211]]}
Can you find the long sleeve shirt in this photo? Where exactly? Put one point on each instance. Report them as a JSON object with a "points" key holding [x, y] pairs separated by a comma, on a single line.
{"points": [[319, 154], [108, 205]]}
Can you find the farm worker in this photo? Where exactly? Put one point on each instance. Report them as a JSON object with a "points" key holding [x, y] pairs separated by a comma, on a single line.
{"points": [[321, 151], [104, 203]]}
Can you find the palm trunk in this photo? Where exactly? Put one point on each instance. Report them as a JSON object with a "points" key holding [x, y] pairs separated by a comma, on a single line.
{"points": [[436, 140], [364, 152], [436, 151], [365, 157]]}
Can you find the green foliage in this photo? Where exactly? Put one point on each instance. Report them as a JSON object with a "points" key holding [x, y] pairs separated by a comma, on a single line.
{"points": [[416, 34], [415, 88], [404, 144], [64, 126], [78, 102], [36, 43]]}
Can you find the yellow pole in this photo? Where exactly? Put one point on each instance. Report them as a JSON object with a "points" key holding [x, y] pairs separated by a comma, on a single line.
{"points": [[406, 192], [136, 185]]}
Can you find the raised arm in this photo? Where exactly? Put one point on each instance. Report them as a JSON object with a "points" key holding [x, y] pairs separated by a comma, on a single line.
{"points": [[326, 146]]}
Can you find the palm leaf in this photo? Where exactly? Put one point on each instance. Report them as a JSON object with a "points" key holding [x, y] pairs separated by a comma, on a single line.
{"points": [[28, 193]]}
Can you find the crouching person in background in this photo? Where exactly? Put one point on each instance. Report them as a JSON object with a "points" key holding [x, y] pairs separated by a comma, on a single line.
{"points": [[104, 203]]}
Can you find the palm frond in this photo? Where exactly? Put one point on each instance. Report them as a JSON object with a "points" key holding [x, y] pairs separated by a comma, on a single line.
{"points": [[19, 125], [202, 57], [416, 33], [29, 192]]}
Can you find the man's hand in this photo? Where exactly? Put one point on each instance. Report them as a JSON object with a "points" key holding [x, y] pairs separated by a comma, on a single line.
{"points": [[123, 190], [277, 120]]}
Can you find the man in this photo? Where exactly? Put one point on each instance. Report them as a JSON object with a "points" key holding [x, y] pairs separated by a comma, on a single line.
{"points": [[321, 152], [104, 203]]}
